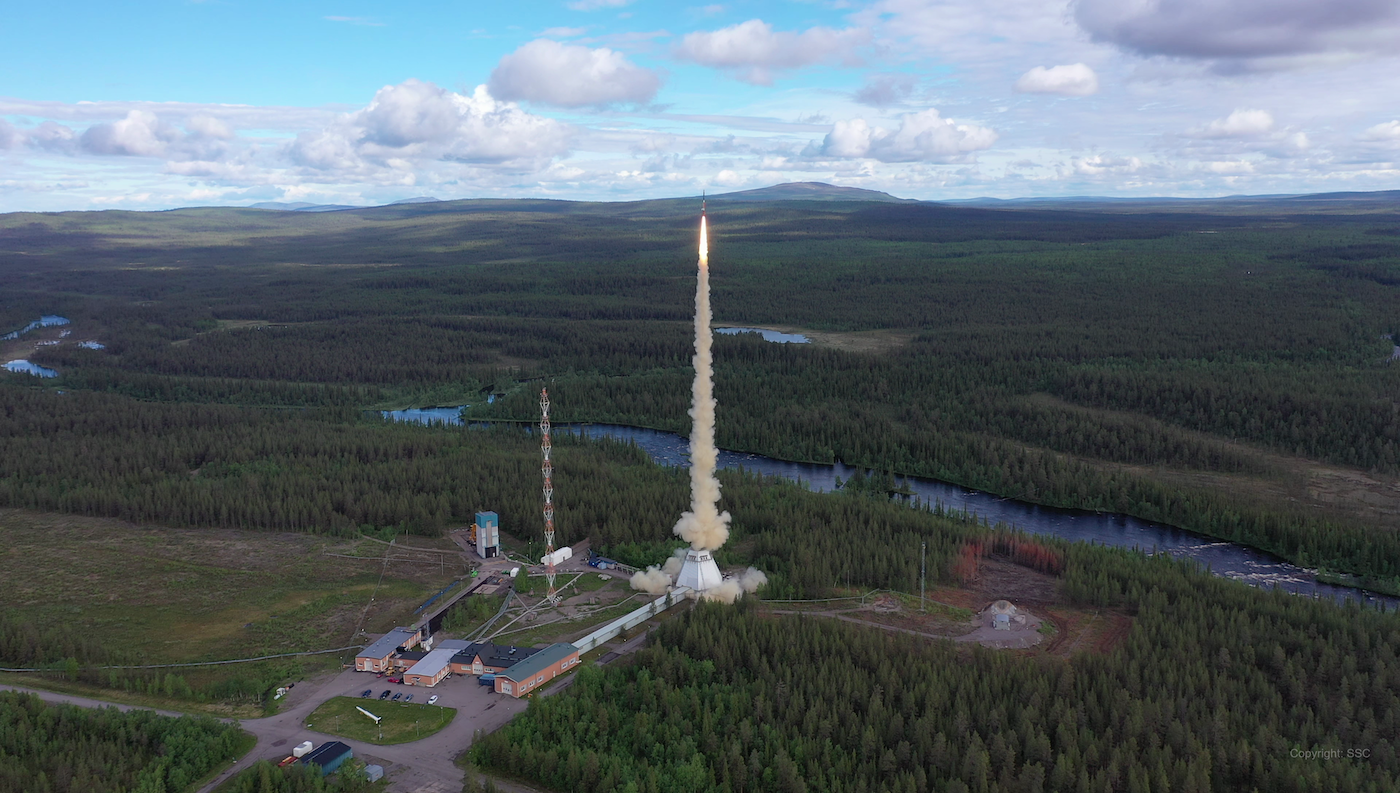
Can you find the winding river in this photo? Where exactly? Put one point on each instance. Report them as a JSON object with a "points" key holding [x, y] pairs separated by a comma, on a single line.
{"points": [[1228, 559]]}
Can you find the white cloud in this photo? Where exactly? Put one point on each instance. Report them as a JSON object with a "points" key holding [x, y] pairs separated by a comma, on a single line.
{"points": [[752, 51], [568, 75], [1075, 79], [140, 134], [9, 136], [52, 136], [1099, 164], [1242, 29], [1386, 132], [416, 121], [1230, 167], [1239, 124], [206, 126], [921, 137]]}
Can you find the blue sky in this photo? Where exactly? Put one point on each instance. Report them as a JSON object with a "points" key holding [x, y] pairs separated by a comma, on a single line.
{"points": [[229, 102]]}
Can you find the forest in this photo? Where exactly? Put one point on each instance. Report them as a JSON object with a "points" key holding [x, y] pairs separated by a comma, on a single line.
{"points": [[1217, 687], [1196, 369], [1213, 372], [48, 748]]}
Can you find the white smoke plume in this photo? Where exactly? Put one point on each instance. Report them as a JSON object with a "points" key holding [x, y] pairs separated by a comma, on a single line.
{"points": [[673, 565], [731, 589], [704, 526], [727, 592], [651, 580], [752, 579], [656, 580]]}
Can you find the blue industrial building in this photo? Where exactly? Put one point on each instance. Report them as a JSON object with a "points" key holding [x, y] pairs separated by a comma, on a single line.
{"points": [[329, 756]]}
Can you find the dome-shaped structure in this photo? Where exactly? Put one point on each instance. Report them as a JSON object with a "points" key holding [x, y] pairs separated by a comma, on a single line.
{"points": [[1001, 607]]}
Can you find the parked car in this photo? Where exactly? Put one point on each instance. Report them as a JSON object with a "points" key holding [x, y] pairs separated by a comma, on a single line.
{"points": [[395, 698], [487, 680], [385, 694], [381, 674], [432, 699], [396, 680], [365, 694], [408, 698]]}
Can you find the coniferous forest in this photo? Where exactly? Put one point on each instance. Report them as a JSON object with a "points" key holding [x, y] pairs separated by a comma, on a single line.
{"points": [[66, 749], [1225, 373]]}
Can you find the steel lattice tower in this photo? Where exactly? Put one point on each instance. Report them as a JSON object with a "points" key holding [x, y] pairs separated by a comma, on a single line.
{"points": [[548, 468]]}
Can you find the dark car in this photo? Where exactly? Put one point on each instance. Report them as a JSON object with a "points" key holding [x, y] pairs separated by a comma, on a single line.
{"points": [[408, 698], [385, 695], [365, 694], [395, 698]]}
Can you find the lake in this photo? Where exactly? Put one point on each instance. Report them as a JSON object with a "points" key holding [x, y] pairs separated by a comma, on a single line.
{"points": [[768, 335], [46, 321], [25, 367]]}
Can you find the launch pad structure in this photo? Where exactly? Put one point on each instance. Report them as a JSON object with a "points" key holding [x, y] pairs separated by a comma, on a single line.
{"points": [[698, 571]]}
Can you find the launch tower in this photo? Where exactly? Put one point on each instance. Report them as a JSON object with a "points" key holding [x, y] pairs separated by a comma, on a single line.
{"points": [[547, 468]]}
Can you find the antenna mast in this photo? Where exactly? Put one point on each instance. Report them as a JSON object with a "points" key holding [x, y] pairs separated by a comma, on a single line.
{"points": [[546, 447]]}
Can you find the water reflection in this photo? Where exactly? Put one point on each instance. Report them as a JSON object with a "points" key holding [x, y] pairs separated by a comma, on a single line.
{"points": [[22, 366], [46, 321], [768, 335], [1222, 558]]}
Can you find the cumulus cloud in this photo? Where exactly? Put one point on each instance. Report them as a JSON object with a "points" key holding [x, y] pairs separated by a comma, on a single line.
{"points": [[568, 75], [752, 51], [1386, 132], [1241, 29], [921, 137], [140, 134], [883, 90], [1239, 124], [52, 136], [415, 120], [1075, 79]]}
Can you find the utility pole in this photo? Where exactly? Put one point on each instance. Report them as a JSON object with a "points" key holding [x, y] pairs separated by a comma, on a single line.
{"points": [[923, 572]]}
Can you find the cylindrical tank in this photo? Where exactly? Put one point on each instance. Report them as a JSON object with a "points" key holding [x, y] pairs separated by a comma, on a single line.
{"points": [[303, 749]]}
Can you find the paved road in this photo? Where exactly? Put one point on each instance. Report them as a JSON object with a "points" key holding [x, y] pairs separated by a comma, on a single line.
{"points": [[82, 702]]}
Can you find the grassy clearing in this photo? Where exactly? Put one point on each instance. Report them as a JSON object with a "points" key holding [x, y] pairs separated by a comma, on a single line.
{"points": [[179, 595], [400, 722]]}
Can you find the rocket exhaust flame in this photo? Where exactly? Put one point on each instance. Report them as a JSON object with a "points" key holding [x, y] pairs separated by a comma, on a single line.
{"points": [[704, 526]]}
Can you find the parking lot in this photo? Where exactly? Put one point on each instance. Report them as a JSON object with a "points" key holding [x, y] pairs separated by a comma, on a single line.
{"points": [[419, 767]]}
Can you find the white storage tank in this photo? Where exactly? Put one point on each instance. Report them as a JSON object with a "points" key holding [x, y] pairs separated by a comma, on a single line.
{"points": [[303, 749]]}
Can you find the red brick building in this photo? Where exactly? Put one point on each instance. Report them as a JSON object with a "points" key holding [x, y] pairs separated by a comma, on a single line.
{"points": [[537, 670]]}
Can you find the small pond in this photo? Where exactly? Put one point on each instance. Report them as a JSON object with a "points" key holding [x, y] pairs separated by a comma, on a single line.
{"points": [[768, 335], [22, 366], [439, 415], [46, 321]]}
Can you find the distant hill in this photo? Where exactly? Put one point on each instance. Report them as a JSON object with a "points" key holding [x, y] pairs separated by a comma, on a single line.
{"points": [[301, 206], [809, 191], [1381, 200], [422, 199]]}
